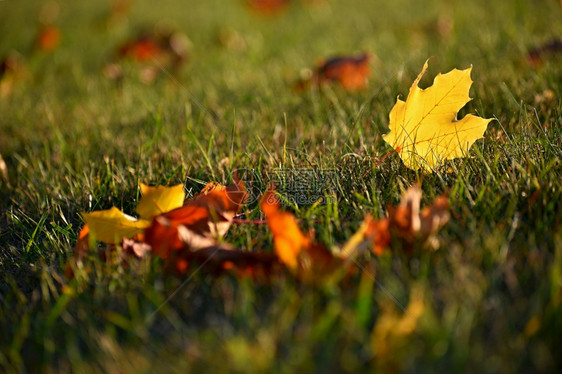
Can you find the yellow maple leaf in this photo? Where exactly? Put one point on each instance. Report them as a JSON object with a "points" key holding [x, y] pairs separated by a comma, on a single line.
{"points": [[112, 225], [158, 200], [424, 129]]}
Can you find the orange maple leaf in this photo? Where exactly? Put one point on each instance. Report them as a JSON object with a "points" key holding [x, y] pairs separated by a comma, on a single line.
{"points": [[299, 252], [288, 239]]}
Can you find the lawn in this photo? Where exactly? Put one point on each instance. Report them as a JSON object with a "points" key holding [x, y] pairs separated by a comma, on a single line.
{"points": [[488, 299]]}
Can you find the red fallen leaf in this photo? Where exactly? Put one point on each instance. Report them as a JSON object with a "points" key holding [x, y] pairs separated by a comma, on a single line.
{"points": [[537, 55], [268, 7], [212, 210], [294, 249], [406, 224], [48, 38], [179, 247], [142, 49], [351, 72]]}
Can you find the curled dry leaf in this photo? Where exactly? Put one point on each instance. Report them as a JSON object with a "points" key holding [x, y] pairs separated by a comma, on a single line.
{"points": [[424, 129], [351, 72], [407, 224]]}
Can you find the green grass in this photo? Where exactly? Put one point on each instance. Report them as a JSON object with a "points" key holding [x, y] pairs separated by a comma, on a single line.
{"points": [[74, 141]]}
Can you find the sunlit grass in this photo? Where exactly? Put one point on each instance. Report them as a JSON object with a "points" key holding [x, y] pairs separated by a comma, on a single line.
{"points": [[74, 141]]}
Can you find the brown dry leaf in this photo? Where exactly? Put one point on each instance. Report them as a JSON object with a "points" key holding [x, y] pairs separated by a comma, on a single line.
{"points": [[407, 224], [351, 72]]}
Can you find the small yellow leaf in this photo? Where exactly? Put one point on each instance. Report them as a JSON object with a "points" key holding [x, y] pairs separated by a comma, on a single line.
{"points": [[158, 200], [424, 129], [112, 225]]}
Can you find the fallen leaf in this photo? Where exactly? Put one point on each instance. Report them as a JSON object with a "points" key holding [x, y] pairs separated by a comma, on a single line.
{"points": [[288, 239], [536, 56], [212, 210], [351, 72], [299, 252], [220, 258], [152, 51], [48, 38], [136, 246], [80, 249], [407, 224], [268, 7], [142, 49], [424, 129], [112, 225], [163, 237], [158, 200], [198, 224], [379, 232]]}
